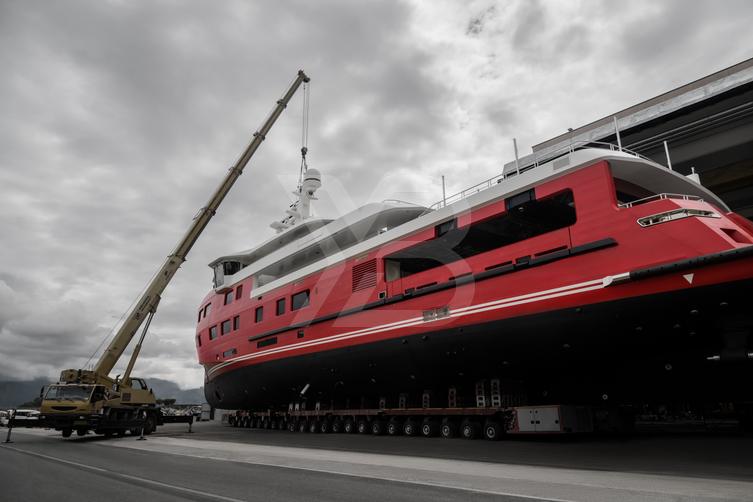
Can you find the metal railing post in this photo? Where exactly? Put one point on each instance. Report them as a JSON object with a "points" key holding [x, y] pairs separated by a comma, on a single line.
{"points": [[10, 427], [143, 423]]}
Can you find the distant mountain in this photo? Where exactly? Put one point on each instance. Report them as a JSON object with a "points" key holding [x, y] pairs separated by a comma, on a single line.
{"points": [[14, 393]]}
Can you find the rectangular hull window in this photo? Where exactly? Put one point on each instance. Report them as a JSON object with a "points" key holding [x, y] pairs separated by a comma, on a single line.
{"points": [[299, 300], [259, 314], [226, 327], [213, 332], [267, 342]]}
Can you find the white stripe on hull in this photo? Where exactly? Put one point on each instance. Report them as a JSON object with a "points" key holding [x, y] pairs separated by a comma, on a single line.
{"points": [[514, 301]]}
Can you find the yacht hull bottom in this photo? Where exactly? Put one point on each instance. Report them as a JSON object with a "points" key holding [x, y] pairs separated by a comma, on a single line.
{"points": [[684, 346]]}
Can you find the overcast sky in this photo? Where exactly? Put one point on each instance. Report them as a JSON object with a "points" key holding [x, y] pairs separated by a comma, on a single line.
{"points": [[118, 118]]}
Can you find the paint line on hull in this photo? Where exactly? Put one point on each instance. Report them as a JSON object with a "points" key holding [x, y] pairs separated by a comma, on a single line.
{"points": [[561, 291]]}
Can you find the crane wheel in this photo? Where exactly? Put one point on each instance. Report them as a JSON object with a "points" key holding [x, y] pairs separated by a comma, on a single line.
{"points": [[67, 433], [363, 427], [80, 432], [150, 425], [429, 428], [314, 427], [325, 426]]}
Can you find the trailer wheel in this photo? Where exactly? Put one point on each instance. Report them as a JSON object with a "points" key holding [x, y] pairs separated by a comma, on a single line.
{"points": [[67, 433], [363, 427], [325, 427], [349, 426], [429, 428], [377, 427], [448, 429], [302, 426], [493, 430], [232, 421], [393, 427], [469, 429], [410, 427], [81, 432], [337, 426], [313, 427]]}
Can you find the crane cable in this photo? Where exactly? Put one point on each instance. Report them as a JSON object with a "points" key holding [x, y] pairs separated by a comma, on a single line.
{"points": [[304, 134]]}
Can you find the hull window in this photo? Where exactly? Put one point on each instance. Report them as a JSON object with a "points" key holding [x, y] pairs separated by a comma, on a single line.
{"points": [[213, 332], [228, 298], [236, 323], [526, 218], [229, 353], [259, 314], [238, 292], [267, 342], [226, 327], [281, 306], [299, 300]]}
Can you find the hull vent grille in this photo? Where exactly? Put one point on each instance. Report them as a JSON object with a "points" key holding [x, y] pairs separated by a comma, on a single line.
{"points": [[365, 275]]}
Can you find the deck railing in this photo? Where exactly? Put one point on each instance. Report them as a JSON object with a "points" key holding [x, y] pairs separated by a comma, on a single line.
{"points": [[660, 196], [548, 157]]}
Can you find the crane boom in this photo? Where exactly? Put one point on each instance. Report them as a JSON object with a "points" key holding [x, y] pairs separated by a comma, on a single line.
{"points": [[148, 301]]}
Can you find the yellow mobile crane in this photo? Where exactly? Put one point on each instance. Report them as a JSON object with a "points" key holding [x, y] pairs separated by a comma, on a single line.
{"points": [[85, 400]]}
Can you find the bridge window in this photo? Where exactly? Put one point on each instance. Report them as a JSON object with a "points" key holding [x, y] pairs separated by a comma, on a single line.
{"points": [[525, 218], [213, 332], [236, 322], [299, 300], [259, 314], [226, 327], [238, 292], [228, 298], [281, 306]]}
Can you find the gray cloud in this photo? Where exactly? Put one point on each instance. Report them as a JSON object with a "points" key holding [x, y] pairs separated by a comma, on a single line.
{"points": [[117, 119]]}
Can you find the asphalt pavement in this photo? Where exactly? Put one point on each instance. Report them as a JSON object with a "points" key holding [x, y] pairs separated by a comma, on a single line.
{"points": [[222, 463]]}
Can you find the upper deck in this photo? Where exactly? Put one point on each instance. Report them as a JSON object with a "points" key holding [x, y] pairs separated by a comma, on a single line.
{"points": [[376, 225]]}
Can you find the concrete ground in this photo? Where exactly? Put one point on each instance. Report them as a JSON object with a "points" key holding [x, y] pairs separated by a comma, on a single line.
{"points": [[221, 463]]}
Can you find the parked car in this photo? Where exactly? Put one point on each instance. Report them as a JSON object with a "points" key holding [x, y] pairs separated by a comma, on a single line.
{"points": [[21, 416], [4, 417]]}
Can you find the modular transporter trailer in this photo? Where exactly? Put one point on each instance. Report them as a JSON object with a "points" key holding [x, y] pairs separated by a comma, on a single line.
{"points": [[469, 423]]}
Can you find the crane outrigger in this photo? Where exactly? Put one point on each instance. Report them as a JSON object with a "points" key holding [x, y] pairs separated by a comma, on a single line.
{"points": [[90, 399]]}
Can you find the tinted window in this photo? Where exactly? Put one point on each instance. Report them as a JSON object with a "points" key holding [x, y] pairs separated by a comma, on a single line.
{"points": [[259, 314], [281, 306], [268, 341], [213, 332], [238, 292], [299, 300], [236, 322], [525, 218], [226, 327], [207, 309], [228, 297]]}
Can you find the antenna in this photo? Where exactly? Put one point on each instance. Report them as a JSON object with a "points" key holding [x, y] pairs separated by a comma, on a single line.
{"points": [[517, 164]]}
